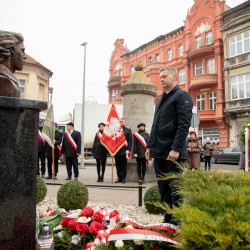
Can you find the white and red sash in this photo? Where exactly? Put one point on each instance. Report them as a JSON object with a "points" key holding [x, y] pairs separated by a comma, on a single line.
{"points": [[58, 148], [71, 141], [141, 139], [99, 135], [41, 137]]}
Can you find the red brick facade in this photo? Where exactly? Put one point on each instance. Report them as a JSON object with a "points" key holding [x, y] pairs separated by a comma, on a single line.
{"points": [[196, 51]]}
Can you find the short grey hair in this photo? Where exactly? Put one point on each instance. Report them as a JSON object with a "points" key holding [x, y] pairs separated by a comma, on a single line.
{"points": [[8, 40], [170, 70]]}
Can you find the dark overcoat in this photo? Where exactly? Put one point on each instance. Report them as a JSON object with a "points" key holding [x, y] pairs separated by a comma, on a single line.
{"points": [[138, 147], [173, 113], [67, 149], [58, 141], [98, 149]]}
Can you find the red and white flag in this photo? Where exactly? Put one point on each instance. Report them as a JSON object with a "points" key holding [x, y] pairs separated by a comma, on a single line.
{"points": [[113, 138]]}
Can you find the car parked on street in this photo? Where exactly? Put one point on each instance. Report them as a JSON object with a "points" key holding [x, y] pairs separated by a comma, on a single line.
{"points": [[227, 155]]}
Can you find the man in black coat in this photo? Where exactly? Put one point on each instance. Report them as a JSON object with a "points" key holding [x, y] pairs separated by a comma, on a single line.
{"points": [[71, 148], [41, 150], [122, 155], [167, 142], [100, 153], [57, 152]]}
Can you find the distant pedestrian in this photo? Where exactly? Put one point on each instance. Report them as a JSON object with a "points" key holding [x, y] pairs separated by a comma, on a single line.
{"points": [[41, 150], [57, 152], [123, 154], [194, 149], [71, 148], [100, 153], [139, 148], [208, 152]]}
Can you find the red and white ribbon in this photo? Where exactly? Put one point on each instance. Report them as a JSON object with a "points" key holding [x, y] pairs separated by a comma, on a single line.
{"points": [[71, 141], [128, 153], [141, 139], [41, 137], [58, 148], [99, 135]]}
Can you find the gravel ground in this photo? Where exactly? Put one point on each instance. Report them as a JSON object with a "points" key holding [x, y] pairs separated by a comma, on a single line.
{"points": [[136, 213]]}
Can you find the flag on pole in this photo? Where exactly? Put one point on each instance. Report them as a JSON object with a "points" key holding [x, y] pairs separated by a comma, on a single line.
{"points": [[113, 137], [48, 127]]}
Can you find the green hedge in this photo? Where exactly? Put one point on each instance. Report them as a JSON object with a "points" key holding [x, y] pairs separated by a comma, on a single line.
{"points": [[41, 189]]}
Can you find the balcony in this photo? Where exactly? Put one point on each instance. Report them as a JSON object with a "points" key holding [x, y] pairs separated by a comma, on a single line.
{"points": [[204, 80], [238, 106], [207, 115], [114, 79], [200, 52], [236, 61]]}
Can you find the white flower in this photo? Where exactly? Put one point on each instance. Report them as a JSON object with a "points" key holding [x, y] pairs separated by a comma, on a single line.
{"points": [[119, 244], [138, 242], [74, 214], [59, 227], [84, 219], [75, 239], [60, 234]]}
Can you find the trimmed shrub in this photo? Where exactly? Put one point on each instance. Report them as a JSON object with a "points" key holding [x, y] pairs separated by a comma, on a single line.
{"points": [[41, 189], [73, 195], [151, 197]]}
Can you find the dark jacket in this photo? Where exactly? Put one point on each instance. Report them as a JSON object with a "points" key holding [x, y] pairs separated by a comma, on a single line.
{"points": [[173, 113], [98, 149], [58, 139], [128, 136], [41, 146], [67, 149], [138, 147]]}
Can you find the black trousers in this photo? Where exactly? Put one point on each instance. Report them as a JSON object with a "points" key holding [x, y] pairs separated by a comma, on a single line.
{"points": [[141, 167], [41, 157], [101, 162], [167, 191], [121, 166], [49, 166], [72, 161]]}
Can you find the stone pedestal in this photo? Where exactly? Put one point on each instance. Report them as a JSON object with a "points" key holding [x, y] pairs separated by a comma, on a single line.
{"points": [[132, 172], [18, 169]]}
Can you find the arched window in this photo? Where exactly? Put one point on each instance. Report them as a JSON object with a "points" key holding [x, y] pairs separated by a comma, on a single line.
{"points": [[150, 60], [170, 54], [157, 58], [180, 50]]}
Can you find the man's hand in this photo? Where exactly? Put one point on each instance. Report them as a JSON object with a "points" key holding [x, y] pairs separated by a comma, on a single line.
{"points": [[173, 155], [147, 153], [77, 155]]}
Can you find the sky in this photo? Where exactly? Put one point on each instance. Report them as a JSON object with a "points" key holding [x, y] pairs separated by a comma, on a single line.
{"points": [[54, 30]]}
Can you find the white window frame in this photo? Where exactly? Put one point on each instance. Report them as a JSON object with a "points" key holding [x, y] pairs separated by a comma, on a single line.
{"points": [[200, 102], [198, 69], [198, 42], [209, 37], [150, 60], [211, 66], [114, 94], [182, 76], [22, 87], [132, 69], [240, 85], [157, 58], [212, 100], [180, 49], [239, 44], [170, 54]]}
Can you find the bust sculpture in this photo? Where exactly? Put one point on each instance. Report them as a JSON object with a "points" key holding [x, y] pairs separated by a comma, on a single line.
{"points": [[12, 57]]}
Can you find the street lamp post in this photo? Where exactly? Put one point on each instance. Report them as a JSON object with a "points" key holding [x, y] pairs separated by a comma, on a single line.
{"points": [[83, 103]]}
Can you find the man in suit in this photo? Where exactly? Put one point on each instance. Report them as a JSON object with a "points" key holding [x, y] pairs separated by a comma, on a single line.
{"points": [[71, 148], [167, 142], [123, 154], [41, 150], [57, 152]]}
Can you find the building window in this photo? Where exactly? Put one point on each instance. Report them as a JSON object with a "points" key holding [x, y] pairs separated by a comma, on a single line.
{"points": [[157, 58], [212, 100], [200, 102], [198, 68], [41, 94], [114, 94], [150, 60], [198, 42], [240, 86], [240, 43], [132, 70], [170, 54], [180, 50], [22, 88], [182, 76], [209, 38], [211, 66]]}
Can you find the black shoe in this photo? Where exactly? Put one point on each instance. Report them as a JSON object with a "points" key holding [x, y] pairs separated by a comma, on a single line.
{"points": [[123, 181], [118, 180], [43, 176], [48, 177], [99, 179]]}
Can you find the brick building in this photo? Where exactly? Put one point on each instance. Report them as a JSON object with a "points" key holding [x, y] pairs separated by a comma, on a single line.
{"points": [[196, 51]]}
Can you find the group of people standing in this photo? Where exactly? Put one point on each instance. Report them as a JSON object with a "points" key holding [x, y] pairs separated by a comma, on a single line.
{"points": [[139, 148], [68, 144]]}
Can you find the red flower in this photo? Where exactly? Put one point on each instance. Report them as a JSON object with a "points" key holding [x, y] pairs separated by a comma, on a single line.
{"points": [[82, 228], [97, 216], [87, 212], [72, 224], [65, 221], [113, 214], [95, 227]]}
